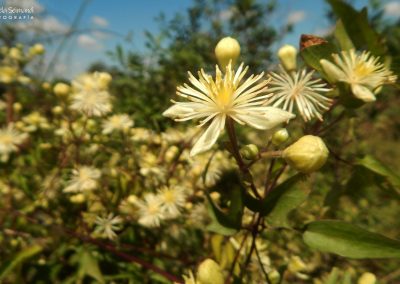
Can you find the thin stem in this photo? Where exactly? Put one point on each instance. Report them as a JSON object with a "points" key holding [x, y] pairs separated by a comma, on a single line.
{"points": [[9, 96], [235, 151], [261, 264], [231, 270]]}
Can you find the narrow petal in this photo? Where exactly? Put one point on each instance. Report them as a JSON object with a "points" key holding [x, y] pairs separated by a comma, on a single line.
{"points": [[177, 110], [209, 136], [362, 93], [334, 73], [268, 118]]}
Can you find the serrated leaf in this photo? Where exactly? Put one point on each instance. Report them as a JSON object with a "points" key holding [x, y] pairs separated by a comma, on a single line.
{"points": [[19, 258], [348, 240]]}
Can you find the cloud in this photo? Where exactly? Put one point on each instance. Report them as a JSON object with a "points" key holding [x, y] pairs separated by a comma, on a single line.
{"points": [[392, 9], [99, 21], [48, 24], [88, 42], [226, 14], [295, 17], [323, 32]]}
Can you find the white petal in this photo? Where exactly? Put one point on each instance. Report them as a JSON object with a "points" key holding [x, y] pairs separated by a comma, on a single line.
{"points": [[265, 117], [362, 93], [209, 136], [332, 71], [177, 110]]}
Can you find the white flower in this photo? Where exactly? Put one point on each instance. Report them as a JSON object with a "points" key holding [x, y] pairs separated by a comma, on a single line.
{"points": [[301, 90], [120, 122], [107, 226], [363, 72], [83, 179], [227, 96], [172, 200], [150, 211], [90, 95], [10, 138]]}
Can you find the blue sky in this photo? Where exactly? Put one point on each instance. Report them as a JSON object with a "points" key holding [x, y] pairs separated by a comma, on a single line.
{"points": [[122, 17]]}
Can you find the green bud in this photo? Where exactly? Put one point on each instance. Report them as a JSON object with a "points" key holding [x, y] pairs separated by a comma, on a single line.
{"points": [[249, 152], [367, 278], [274, 276], [307, 155], [287, 55], [226, 50], [280, 136], [209, 272]]}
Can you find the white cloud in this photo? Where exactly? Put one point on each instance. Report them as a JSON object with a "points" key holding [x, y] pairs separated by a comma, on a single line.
{"points": [[88, 42], [323, 32], [295, 17], [99, 21], [226, 14], [48, 24], [392, 9]]}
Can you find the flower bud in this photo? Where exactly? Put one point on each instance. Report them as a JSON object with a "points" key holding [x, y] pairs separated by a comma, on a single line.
{"points": [[226, 50], [61, 89], [287, 55], [15, 53], [77, 198], [57, 110], [17, 107], [280, 136], [331, 70], [274, 276], [46, 86], [367, 278], [307, 155], [171, 153], [249, 152], [36, 49], [209, 272]]}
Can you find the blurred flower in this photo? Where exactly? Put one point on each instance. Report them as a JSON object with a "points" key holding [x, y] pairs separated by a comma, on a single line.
{"points": [[172, 200], [150, 210], [226, 96], [363, 72], [8, 74], [106, 227], [83, 179], [300, 89], [35, 121], [10, 138], [367, 278], [90, 95], [61, 89], [115, 122]]}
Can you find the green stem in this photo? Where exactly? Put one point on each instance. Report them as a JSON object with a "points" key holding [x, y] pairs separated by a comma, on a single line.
{"points": [[235, 152]]}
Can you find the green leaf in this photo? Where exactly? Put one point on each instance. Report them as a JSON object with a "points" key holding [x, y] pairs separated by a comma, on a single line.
{"points": [[88, 265], [342, 37], [23, 255], [283, 199], [229, 222], [377, 167], [349, 241], [314, 53], [357, 27], [333, 276]]}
